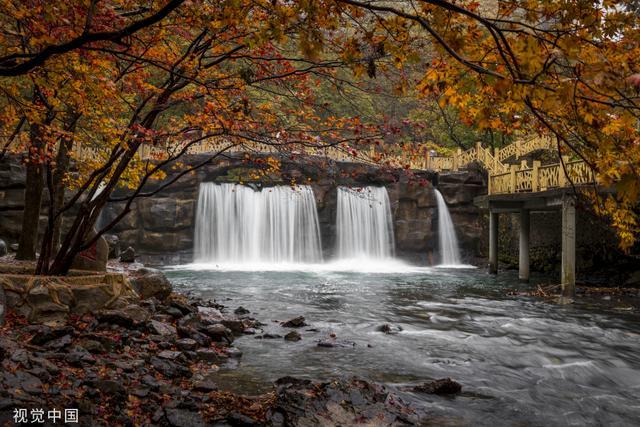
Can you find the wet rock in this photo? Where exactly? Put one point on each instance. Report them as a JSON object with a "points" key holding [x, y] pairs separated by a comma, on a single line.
{"points": [[235, 325], [268, 336], [296, 322], [160, 328], [250, 331], [339, 402], [233, 352], [240, 311], [210, 355], [152, 283], [210, 315], [184, 418], [333, 342], [388, 329], [293, 336], [219, 333], [441, 386], [186, 344], [128, 255], [182, 305]]}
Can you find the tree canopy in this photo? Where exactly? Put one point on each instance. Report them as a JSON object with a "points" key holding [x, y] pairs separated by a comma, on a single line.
{"points": [[116, 76]]}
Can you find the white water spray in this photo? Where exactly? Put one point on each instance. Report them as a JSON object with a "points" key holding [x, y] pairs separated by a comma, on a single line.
{"points": [[449, 251], [237, 225], [364, 223]]}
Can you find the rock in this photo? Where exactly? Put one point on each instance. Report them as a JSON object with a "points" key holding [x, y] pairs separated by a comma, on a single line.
{"points": [[114, 245], [441, 386], [205, 385], [93, 346], [210, 355], [170, 355], [237, 419], [183, 418], [219, 333], [293, 336], [235, 325], [333, 342], [339, 402], [233, 352], [187, 332], [168, 368], [210, 315], [44, 334], [128, 255], [14, 247], [132, 315], [160, 328], [3, 248], [240, 311], [114, 388], [22, 380], [59, 343], [250, 331], [388, 329], [93, 259], [296, 322], [186, 344], [152, 284], [268, 336]]}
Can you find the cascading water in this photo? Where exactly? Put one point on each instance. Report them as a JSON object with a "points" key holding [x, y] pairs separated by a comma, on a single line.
{"points": [[237, 225], [449, 251], [364, 223]]}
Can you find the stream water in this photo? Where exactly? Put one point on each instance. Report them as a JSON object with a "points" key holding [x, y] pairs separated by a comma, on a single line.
{"points": [[521, 361]]}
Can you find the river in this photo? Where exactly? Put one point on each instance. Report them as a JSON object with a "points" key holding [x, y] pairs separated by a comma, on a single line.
{"points": [[521, 361]]}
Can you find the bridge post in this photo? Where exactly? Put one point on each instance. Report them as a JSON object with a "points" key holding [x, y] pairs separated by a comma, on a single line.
{"points": [[493, 242], [523, 254], [568, 270]]}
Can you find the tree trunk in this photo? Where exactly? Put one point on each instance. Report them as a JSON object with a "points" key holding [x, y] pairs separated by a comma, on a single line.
{"points": [[32, 198]]}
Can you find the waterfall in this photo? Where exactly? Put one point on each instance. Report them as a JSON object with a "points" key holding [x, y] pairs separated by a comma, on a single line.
{"points": [[364, 223], [237, 225], [449, 251]]}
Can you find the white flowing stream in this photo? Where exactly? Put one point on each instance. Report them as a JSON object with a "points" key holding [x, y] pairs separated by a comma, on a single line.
{"points": [[449, 250]]}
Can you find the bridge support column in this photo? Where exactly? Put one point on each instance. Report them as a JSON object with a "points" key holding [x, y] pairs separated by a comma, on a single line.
{"points": [[493, 242], [523, 262], [568, 271]]}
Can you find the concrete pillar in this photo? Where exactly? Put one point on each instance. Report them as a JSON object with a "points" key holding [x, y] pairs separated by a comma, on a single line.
{"points": [[493, 242], [568, 270], [523, 264]]}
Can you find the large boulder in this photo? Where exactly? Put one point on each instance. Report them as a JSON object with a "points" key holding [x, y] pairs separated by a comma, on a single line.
{"points": [[93, 259], [3, 248], [152, 283], [114, 245], [52, 298]]}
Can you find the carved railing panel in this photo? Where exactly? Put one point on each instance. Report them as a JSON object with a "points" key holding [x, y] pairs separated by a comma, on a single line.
{"points": [[579, 173], [548, 177], [500, 183], [523, 180]]}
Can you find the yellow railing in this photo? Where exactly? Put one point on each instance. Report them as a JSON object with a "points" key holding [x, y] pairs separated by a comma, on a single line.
{"points": [[540, 178]]}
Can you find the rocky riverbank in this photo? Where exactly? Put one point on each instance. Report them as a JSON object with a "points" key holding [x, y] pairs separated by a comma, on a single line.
{"points": [[155, 362]]}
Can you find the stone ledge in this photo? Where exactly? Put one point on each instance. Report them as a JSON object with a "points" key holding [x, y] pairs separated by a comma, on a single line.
{"points": [[44, 299]]}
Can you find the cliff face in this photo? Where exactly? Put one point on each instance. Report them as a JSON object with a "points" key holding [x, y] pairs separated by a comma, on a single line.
{"points": [[161, 227]]}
